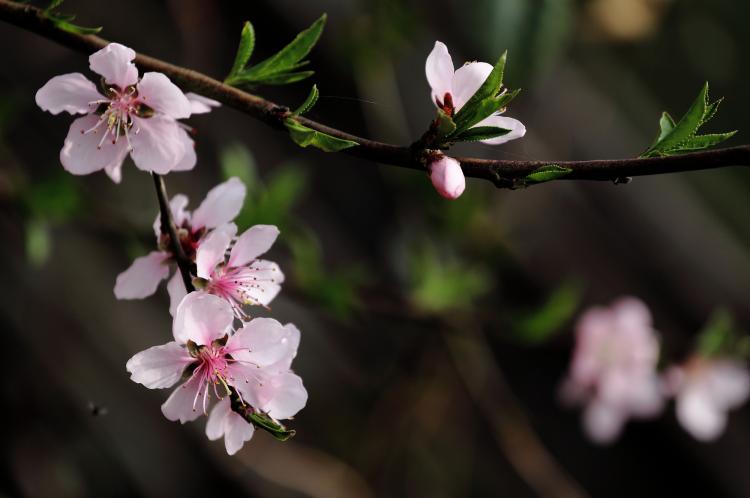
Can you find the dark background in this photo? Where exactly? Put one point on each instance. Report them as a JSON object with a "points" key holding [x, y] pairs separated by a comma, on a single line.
{"points": [[434, 333]]}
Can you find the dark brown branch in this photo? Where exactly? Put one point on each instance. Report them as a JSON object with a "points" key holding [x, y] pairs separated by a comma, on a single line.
{"points": [[169, 231], [503, 173]]}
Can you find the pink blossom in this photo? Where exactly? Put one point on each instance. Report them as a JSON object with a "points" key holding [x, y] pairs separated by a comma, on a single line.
{"points": [[451, 89], [705, 390], [221, 205], [212, 361], [447, 177], [613, 371], [241, 278], [200, 104], [128, 116]]}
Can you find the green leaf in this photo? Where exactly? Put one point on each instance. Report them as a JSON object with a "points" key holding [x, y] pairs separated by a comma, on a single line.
{"points": [[480, 133], [38, 242], [445, 125], [278, 431], [547, 173], [718, 336], [304, 136], [281, 68], [542, 324], [682, 137], [74, 28], [245, 49], [52, 5], [310, 101]]}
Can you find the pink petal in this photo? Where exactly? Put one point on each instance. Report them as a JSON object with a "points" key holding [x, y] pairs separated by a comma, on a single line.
{"points": [[517, 128], [182, 405], [159, 93], [143, 276], [698, 414], [467, 80], [439, 71], [287, 396], [447, 177], [72, 93], [264, 342], [236, 432], [252, 243], [114, 171], [81, 154], [213, 248], [160, 366], [177, 205], [268, 284], [217, 419], [190, 158], [200, 104], [603, 422], [201, 318], [221, 205], [729, 383], [176, 290], [114, 62], [158, 145]]}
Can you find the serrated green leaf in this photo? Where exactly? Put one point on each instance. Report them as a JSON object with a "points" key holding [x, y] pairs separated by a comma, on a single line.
{"points": [[666, 125], [700, 142], [476, 113], [244, 50], [485, 98], [310, 101], [270, 79], [291, 55], [304, 136], [480, 133], [547, 173], [688, 124]]}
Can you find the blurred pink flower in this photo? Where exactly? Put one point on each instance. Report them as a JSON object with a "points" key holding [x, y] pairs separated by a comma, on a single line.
{"points": [[613, 370], [447, 177], [241, 278], [208, 356], [128, 116], [705, 390], [221, 205], [451, 89]]}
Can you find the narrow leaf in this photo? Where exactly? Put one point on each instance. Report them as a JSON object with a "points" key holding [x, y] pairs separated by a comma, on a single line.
{"points": [[700, 142], [480, 133], [266, 423], [489, 89], [74, 28], [272, 79], [445, 125], [547, 173], [304, 136], [309, 102], [245, 49]]}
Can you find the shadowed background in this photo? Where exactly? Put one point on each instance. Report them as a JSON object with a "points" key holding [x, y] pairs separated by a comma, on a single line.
{"points": [[435, 333]]}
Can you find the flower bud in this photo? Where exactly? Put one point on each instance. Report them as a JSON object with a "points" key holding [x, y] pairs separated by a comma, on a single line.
{"points": [[447, 177]]}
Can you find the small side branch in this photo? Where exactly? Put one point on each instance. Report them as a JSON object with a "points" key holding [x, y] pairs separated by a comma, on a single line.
{"points": [[169, 230]]}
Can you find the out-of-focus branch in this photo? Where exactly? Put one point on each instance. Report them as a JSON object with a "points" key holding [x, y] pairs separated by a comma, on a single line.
{"points": [[510, 427], [168, 229], [502, 173]]}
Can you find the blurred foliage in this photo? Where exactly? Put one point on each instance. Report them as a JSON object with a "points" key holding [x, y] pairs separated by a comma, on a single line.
{"points": [[720, 337], [553, 317]]}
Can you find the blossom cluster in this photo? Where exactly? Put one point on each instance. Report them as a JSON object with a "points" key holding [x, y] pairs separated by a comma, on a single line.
{"points": [[613, 374], [223, 360]]}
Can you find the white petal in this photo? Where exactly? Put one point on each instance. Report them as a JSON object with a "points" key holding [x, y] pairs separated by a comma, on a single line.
{"points": [[114, 62], [265, 342], [177, 205], [517, 129], [159, 93], [200, 104], [190, 158], [143, 276], [699, 416], [81, 153], [729, 383], [72, 93], [252, 243], [439, 71], [213, 248], [201, 318], [603, 422], [267, 284], [182, 405], [221, 205], [288, 396], [217, 419], [467, 80], [114, 171], [158, 145], [176, 290], [236, 432], [160, 366]]}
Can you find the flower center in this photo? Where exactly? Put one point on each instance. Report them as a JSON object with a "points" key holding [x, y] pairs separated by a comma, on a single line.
{"points": [[116, 114]]}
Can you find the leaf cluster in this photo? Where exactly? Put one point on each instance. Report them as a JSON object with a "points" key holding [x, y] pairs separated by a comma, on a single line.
{"points": [[65, 21]]}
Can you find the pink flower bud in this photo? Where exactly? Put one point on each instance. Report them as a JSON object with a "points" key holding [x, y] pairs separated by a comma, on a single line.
{"points": [[447, 177]]}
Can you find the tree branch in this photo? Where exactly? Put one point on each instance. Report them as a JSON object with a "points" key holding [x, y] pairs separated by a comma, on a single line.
{"points": [[502, 173], [169, 230]]}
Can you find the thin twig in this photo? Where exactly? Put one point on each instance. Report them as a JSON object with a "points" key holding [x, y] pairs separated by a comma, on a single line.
{"points": [[169, 230], [502, 173]]}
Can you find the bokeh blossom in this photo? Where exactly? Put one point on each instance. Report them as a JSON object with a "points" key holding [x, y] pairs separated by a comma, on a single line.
{"points": [[212, 362], [125, 115], [705, 390], [613, 370], [221, 205]]}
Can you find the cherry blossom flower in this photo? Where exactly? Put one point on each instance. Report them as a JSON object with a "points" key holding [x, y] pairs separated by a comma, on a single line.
{"points": [[705, 390], [241, 278], [613, 370], [447, 177], [200, 104], [212, 361], [128, 115], [221, 205], [451, 89]]}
